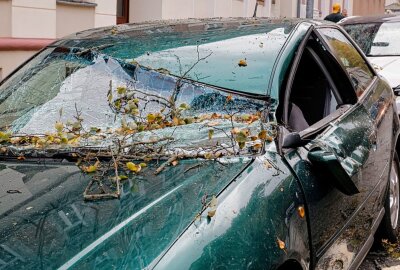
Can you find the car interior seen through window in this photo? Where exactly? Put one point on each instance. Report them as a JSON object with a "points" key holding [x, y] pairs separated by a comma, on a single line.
{"points": [[313, 94]]}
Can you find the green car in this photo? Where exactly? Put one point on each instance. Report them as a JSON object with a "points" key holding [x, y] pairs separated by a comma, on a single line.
{"points": [[197, 144]]}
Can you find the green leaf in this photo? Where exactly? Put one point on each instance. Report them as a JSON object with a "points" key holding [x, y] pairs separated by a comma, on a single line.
{"points": [[210, 134]]}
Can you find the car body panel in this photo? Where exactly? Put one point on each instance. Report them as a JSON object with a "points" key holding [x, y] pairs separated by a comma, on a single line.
{"points": [[258, 211], [352, 139], [388, 67], [48, 223]]}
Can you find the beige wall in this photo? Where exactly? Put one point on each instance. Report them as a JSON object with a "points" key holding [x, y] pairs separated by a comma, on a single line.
{"points": [[105, 13], [5, 18], [180, 9], [177, 9], [288, 8], [140, 10], [33, 19], [368, 7], [10, 60], [49, 19], [202, 8], [72, 19]]}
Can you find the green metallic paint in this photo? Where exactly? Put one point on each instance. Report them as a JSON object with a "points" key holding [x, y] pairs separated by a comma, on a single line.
{"points": [[254, 212], [59, 229]]}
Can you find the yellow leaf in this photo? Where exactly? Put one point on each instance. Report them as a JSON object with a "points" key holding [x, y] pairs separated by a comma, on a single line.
{"points": [[253, 138], [208, 155], [123, 177], [175, 121], [281, 244], [229, 98], [174, 163], [213, 123], [15, 140], [246, 117], [151, 117], [214, 201], [242, 63], [133, 167], [184, 106], [257, 146], [121, 90], [212, 206], [64, 140], [91, 168], [215, 116], [267, 164], [188, 121], [4, 137], [241, 145], [262, 135], [143, 165], [241, 137], [59, 126], [117, 104], [235, 130], [210, 134]]}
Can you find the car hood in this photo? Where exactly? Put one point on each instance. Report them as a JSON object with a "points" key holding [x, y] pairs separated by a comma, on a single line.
{"points": [[388, 66], [45, 223]]}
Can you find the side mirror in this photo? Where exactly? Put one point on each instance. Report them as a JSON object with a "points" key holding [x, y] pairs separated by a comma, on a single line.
{"points": [[328, 163], [293, 140]]}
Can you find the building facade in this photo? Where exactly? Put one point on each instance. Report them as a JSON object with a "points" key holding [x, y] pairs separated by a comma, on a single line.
{"points": [[28, 25]]}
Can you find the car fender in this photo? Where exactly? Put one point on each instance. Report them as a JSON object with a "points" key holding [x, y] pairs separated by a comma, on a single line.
{"points": [[259, 222]]}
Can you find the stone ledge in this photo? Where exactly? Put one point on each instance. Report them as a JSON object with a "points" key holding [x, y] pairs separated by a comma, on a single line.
{"points": [[77, 3]]}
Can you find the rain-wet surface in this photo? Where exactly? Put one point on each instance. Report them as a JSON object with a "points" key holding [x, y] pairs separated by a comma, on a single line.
{"points": [[378, 259]]}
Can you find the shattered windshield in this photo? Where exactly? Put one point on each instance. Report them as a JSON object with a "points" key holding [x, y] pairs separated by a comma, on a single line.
{"points": [[376, 39], [193, 91]]}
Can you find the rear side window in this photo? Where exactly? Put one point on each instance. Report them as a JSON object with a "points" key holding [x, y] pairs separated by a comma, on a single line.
{"points": [[359, 72]]}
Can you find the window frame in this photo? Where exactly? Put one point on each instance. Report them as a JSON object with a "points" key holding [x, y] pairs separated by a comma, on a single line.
{"points": [[343, 108], [125, 17]]}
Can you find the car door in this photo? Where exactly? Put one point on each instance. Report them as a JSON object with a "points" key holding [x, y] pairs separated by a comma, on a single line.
{"points": [[344, 164]]}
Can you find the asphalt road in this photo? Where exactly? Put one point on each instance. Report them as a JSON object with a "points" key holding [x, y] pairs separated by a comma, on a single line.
{"points": [[378, 259]]}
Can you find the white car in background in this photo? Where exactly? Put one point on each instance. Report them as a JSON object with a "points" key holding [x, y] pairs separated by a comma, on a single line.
{"points": [[379, 38]]}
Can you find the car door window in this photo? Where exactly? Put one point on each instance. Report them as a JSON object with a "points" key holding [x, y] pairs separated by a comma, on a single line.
{"points": [[311, 97], [349, 58], [313, 94]]}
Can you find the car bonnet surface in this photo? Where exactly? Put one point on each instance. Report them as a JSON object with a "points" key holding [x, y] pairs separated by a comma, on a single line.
{"points": [[46, 224]]}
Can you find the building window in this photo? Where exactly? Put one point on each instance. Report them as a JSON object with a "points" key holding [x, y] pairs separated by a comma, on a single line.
{"points": [[122, 11]]}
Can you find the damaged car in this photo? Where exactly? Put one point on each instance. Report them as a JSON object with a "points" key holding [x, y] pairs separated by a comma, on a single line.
{"points": [[197, 144]]}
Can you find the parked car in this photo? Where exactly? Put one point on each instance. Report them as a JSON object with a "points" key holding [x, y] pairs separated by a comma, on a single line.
{"points": [[201, 144], [379, 39]]}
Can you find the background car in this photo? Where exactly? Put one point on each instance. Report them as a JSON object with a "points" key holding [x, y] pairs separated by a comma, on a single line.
{"points": [[379, 38], [201, 144]]}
